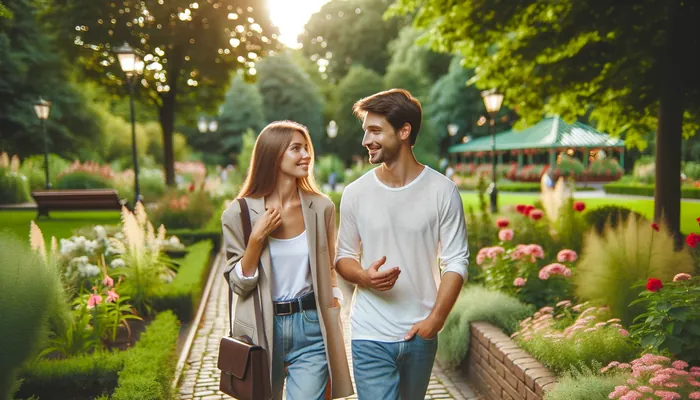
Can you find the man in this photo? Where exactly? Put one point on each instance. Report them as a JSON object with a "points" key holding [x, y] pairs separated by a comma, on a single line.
{"points": [[396, 217]]}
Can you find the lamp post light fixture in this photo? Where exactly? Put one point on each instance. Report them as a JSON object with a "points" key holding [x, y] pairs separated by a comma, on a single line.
{"points": [[203, 126], [452, 129], [42, 109], [132, 65], [332, 129], [492, 102]]}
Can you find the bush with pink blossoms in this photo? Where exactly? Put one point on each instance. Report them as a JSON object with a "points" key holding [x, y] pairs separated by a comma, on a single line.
{"points": [[570, 337], [656, 377]]}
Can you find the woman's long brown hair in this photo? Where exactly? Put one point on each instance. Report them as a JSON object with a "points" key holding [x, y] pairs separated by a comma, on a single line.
{"points": [[269, 148]]}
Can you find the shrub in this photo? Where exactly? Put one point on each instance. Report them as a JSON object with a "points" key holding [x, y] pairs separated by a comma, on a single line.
{"points": [[327, 164], [14, 187], [192, 210], [610, 216], [33, 168], [551, 338], [183, 293], [191, 236], [671, 321], [27, 285], [75, 378], [151, 184], [571, 225], [692, 170], [631, 252], [476, 303], [357, 171], [150, 366], [687, 192], [588, 385], [81, 180], [568, 166], [605, 167]]}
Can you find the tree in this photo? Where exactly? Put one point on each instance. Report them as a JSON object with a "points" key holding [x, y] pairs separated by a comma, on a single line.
{"points": [[189, 49], [242, 110], [358, 83], [411, 48], [288, 93], [29, 70], [348, 32], [631, 61]]}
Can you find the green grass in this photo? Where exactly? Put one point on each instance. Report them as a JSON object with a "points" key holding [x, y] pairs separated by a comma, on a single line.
{"points": [[61, 224], [689, 210]]}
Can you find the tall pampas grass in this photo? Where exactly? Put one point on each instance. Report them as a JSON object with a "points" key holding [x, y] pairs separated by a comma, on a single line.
{"points": [[612, 263]]}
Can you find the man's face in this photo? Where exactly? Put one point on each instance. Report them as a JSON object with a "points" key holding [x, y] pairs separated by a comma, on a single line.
{"points": [[380, 139]]}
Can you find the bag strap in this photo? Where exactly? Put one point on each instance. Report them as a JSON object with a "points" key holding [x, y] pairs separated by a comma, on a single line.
{"points": [[245, 222]]}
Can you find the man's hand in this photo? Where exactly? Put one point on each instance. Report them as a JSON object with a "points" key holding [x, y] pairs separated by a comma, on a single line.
{"points": [[427, 328], [381, 280]]}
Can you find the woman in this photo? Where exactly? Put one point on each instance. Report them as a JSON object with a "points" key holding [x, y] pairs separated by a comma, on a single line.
{"points": [[289, 258]]}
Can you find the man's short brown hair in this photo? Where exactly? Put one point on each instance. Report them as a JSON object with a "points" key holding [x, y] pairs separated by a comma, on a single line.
{"points": [[398, 106]]}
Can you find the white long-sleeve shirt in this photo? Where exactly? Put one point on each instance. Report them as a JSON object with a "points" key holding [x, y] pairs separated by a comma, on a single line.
{"points": [[420, 228]]}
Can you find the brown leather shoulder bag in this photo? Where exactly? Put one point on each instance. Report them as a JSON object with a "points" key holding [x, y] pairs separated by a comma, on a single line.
{"points": [[245, 373]]}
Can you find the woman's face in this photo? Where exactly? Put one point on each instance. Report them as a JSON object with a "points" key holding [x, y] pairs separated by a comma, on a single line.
{"points": [[296, 158]]}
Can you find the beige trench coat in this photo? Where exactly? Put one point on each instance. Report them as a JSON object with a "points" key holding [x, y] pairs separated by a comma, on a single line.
{"points": [[319, 220]]}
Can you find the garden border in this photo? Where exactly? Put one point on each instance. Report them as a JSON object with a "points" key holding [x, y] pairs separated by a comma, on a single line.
{"points": [[500, 369], [187, 346]]}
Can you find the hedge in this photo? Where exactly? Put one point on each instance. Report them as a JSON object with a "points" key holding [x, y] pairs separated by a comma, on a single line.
{"points": [[687, 192], [183, 293], [75, 378], [522, 187], [149, 367], [191, 236]]}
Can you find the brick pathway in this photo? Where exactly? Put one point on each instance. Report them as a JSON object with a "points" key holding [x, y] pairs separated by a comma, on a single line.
{"points": [[200, 377]]}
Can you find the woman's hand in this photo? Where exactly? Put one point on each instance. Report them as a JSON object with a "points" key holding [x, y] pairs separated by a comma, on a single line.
{"points": [[266, 224]]}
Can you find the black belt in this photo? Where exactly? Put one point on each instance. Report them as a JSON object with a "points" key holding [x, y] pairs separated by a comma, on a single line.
{"points": [[306, 302]]}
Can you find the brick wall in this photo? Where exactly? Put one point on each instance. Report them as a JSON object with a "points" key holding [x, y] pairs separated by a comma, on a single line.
{"points": [[499, 369]]}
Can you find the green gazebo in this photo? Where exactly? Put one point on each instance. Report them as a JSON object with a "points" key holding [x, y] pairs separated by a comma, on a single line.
{"points": [[547, 138]]}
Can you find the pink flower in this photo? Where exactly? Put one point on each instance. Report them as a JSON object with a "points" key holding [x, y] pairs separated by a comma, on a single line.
{"points": [[495, 251], [535, 251], [94, 300], [659, 380], [693, 382], [619, 391], [694, 396], [567, 255], [564, 303], [505, 235], [107, 281], [665, 395], [623, 332], [519, 282], [480, 258], [543, 275], [645, 389], [679, 364], [681, 277], [631, 395], [112, 296]]}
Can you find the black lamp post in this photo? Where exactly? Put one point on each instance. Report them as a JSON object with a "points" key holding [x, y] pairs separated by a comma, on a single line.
{"points": [[493, 101], [131, 64], [42, 109]]}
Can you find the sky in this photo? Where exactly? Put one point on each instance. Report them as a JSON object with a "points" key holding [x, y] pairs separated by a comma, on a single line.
{"points": [[291, 16]]}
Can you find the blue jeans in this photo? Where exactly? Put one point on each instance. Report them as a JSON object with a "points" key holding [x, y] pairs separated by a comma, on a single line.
{"points": [[393, 371], [299, 348]]}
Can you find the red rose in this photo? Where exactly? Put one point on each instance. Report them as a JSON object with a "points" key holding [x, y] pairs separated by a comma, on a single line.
{"points": [[698, 218], [579, 206], [654, 285], [693, 239], [536, 214], [191, 187], [502, 222], [528, 209], [655, 227], [520, 208]]}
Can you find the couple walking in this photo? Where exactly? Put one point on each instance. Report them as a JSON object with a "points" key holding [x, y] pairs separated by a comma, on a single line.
{"points": [[400, 224]]}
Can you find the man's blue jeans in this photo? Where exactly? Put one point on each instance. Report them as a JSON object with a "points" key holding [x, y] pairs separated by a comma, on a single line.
{"points": [[393, 371], [298, 345]]}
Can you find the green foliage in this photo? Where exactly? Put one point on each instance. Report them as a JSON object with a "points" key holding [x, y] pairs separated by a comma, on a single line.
{"points": [[4, 12], [360, 82], [244, 157], [409, 49], [570, 227], [588, 385], [671, 321], [608, 216], [151, 184], [605, 167], [26, 287], [569, 166], [14, 187], [342, 25], [356, 171], [82, 180], [687, 192], [183, 211], [33, 168], [191, 236], [405, 76], [288, 93], [692, 170], [150, 366], [325, 165], [477, 304], [612, 263], [75, 378], [565, 338], [427, 145], [183, 293]]}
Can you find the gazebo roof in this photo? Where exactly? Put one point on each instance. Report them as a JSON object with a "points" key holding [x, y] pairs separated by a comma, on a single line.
{"points": [[550, 132]]}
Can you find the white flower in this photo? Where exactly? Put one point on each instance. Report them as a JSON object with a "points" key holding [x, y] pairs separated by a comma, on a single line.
{"points": [[67, 246], [100, 231], [117, 263]]}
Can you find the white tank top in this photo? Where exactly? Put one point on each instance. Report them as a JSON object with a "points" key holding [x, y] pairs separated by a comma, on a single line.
{"points": [[291, 274]]}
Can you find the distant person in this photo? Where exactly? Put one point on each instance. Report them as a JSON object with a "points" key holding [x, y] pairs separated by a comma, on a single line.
{"points": [[449, 172], [332, 180]]}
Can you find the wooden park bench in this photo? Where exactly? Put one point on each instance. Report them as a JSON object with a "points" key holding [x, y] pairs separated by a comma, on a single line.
{"points": [[76, 200]]}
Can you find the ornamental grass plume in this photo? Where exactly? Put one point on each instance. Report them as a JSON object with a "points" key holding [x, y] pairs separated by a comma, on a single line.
{"points": [[611, 264]]}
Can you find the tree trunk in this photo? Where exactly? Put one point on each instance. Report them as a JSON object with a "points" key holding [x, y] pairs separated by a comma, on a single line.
{"points": [[675, 62], [167, 124]]}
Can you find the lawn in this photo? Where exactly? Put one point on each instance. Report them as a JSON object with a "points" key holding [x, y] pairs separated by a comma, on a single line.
{"points": [[61, 224], [689, 210]]}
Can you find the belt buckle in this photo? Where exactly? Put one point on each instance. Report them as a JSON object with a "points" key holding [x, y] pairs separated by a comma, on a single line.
{"points": [[289, 308]]}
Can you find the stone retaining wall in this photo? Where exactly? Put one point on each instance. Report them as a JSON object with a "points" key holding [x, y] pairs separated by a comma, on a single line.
{"points": [[499, 369]]}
